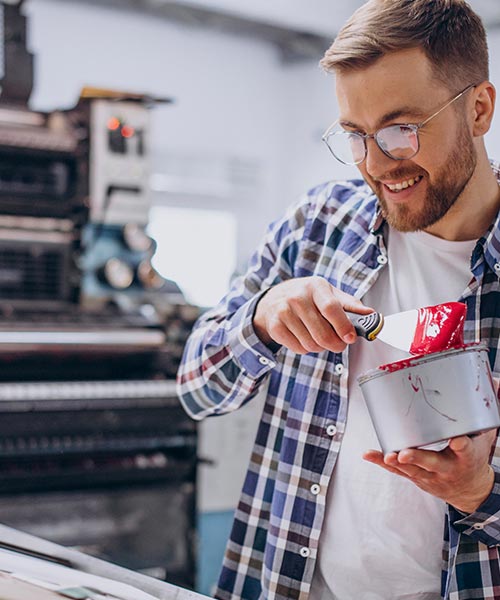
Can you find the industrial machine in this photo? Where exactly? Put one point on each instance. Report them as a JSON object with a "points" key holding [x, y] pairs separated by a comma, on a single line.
{"points": [[95, 450]]}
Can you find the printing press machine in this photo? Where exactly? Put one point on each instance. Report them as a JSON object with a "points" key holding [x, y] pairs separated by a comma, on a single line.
{"points": [[35, 569], [95, 451]]}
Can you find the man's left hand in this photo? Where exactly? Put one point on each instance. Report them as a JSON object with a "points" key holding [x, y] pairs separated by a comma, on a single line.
{"points": [[460, 474]]}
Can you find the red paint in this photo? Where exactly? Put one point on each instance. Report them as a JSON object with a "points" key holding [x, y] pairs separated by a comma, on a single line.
{"points": [[415, 388], [400, 364], [439, 328]]}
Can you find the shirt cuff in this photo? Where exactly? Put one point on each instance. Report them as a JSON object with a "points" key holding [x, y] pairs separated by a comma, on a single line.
{"points": [[483, 524], [252, 355]]}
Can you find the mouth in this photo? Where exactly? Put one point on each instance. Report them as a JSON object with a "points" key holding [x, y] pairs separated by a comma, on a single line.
{"points": [[403, 185], [400, 191]]}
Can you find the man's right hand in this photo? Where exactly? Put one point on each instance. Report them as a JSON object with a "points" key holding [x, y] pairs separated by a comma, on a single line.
{"points": [[307, 315]]}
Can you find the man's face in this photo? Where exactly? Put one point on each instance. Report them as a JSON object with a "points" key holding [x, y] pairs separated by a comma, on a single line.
{"points": [[399, 88]]}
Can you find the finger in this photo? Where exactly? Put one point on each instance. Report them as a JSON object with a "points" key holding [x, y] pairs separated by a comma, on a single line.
{"points": [[301, 315], [412, 471], [460, 445], [332, 304], [351, 303], [465, 445], [377, 458], [290, 341], [373, 456], [488, 437], [320, 330], [281, 333], [329, 305], [301, 331], [426, 460]]}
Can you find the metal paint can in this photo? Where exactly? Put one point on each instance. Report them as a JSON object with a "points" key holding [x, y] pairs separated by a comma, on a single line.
{"points": [[427, 399]]}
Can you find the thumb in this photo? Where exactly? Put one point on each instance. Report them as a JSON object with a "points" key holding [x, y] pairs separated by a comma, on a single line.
{"points": [[460, 444], [351, 303]]}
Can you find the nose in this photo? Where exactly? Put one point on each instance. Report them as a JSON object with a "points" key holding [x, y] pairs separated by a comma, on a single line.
{"points": [[376, 162]]}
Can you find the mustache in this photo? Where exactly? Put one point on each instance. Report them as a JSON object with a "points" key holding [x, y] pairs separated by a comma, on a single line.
{"points": [[401, 174]]}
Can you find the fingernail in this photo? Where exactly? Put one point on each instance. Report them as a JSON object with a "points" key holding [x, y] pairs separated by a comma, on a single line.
{"points": [[349, 338]]}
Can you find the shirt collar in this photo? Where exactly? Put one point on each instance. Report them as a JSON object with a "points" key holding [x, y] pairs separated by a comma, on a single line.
{"points": [[378, 221], [490, 242]]}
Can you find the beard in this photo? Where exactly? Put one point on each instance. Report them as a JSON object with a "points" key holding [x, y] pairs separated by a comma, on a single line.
{"points": [[451, 180]]}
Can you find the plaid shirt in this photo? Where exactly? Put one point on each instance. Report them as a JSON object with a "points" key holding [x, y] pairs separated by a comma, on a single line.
{"points": [[335, 232]]}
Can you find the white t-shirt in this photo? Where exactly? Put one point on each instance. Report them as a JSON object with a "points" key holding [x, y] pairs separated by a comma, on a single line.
{"points": [[382, 536]]}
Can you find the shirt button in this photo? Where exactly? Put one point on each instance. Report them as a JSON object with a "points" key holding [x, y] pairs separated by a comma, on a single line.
{"points": [[263, 360], [304, 552], [478, 526], [497, 268], [382, 259], [339, 368], [315, 489], [331, 430]]}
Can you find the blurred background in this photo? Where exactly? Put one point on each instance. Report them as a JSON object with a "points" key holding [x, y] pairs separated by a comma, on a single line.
{"points": [[233, 139], [243, 137]]}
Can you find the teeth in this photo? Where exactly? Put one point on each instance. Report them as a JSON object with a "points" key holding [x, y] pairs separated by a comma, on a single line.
{"points": [[402, 185]]}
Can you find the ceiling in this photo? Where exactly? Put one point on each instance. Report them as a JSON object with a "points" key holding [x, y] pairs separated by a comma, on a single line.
{"points": [[299, 28], [318, 16]]}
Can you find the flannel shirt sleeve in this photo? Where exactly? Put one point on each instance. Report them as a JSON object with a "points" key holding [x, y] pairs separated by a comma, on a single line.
{"points": [[224, 362], [483, 525]]}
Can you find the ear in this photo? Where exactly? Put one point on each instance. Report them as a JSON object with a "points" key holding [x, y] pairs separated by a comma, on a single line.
{"points": [[484, 96]]}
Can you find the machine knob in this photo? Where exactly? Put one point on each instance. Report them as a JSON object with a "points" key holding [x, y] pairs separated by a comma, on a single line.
{"points": [[148, 276], [116, 273]]}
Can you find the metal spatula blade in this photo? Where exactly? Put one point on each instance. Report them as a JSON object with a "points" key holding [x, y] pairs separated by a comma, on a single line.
{"points": [[397, 330]]}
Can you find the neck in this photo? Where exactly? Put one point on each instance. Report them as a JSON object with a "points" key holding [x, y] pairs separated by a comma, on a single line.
{"points": [[475, 209]]}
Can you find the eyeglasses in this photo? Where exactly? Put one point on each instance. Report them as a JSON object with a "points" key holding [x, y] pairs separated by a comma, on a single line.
{"points": [[399, 141]]}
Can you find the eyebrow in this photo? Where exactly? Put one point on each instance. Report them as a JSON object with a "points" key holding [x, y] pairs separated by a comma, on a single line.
{"points": [[415, 113]]}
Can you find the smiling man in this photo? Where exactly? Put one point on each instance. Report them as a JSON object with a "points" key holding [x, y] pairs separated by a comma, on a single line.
{"points": [[324, 514]]}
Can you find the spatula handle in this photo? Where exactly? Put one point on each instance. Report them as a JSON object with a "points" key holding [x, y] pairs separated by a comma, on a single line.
{"points": [[367, 326]]}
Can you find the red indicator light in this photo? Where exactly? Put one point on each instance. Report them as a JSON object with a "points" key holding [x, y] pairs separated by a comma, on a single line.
{"points": [[113, 123], [127, 131]]}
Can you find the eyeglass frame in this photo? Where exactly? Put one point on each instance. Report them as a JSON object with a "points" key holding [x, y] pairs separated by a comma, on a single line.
{"points": [[415, 127]]}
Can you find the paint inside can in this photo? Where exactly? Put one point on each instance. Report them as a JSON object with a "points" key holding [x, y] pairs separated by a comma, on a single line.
{"points": [[438, 328], [431, 398]]}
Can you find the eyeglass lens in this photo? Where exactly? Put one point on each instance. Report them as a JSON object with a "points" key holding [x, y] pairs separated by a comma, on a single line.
{"points": [[397, 141]]}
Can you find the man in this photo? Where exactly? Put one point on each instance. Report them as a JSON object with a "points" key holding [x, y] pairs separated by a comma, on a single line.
{"points": [[323, 516]]}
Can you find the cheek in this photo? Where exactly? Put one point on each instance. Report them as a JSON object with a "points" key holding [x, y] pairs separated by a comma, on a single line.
{"points": [[435, 153]]}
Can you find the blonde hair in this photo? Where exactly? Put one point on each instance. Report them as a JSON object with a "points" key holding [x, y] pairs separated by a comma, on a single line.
{"points": [[449, 32]]}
